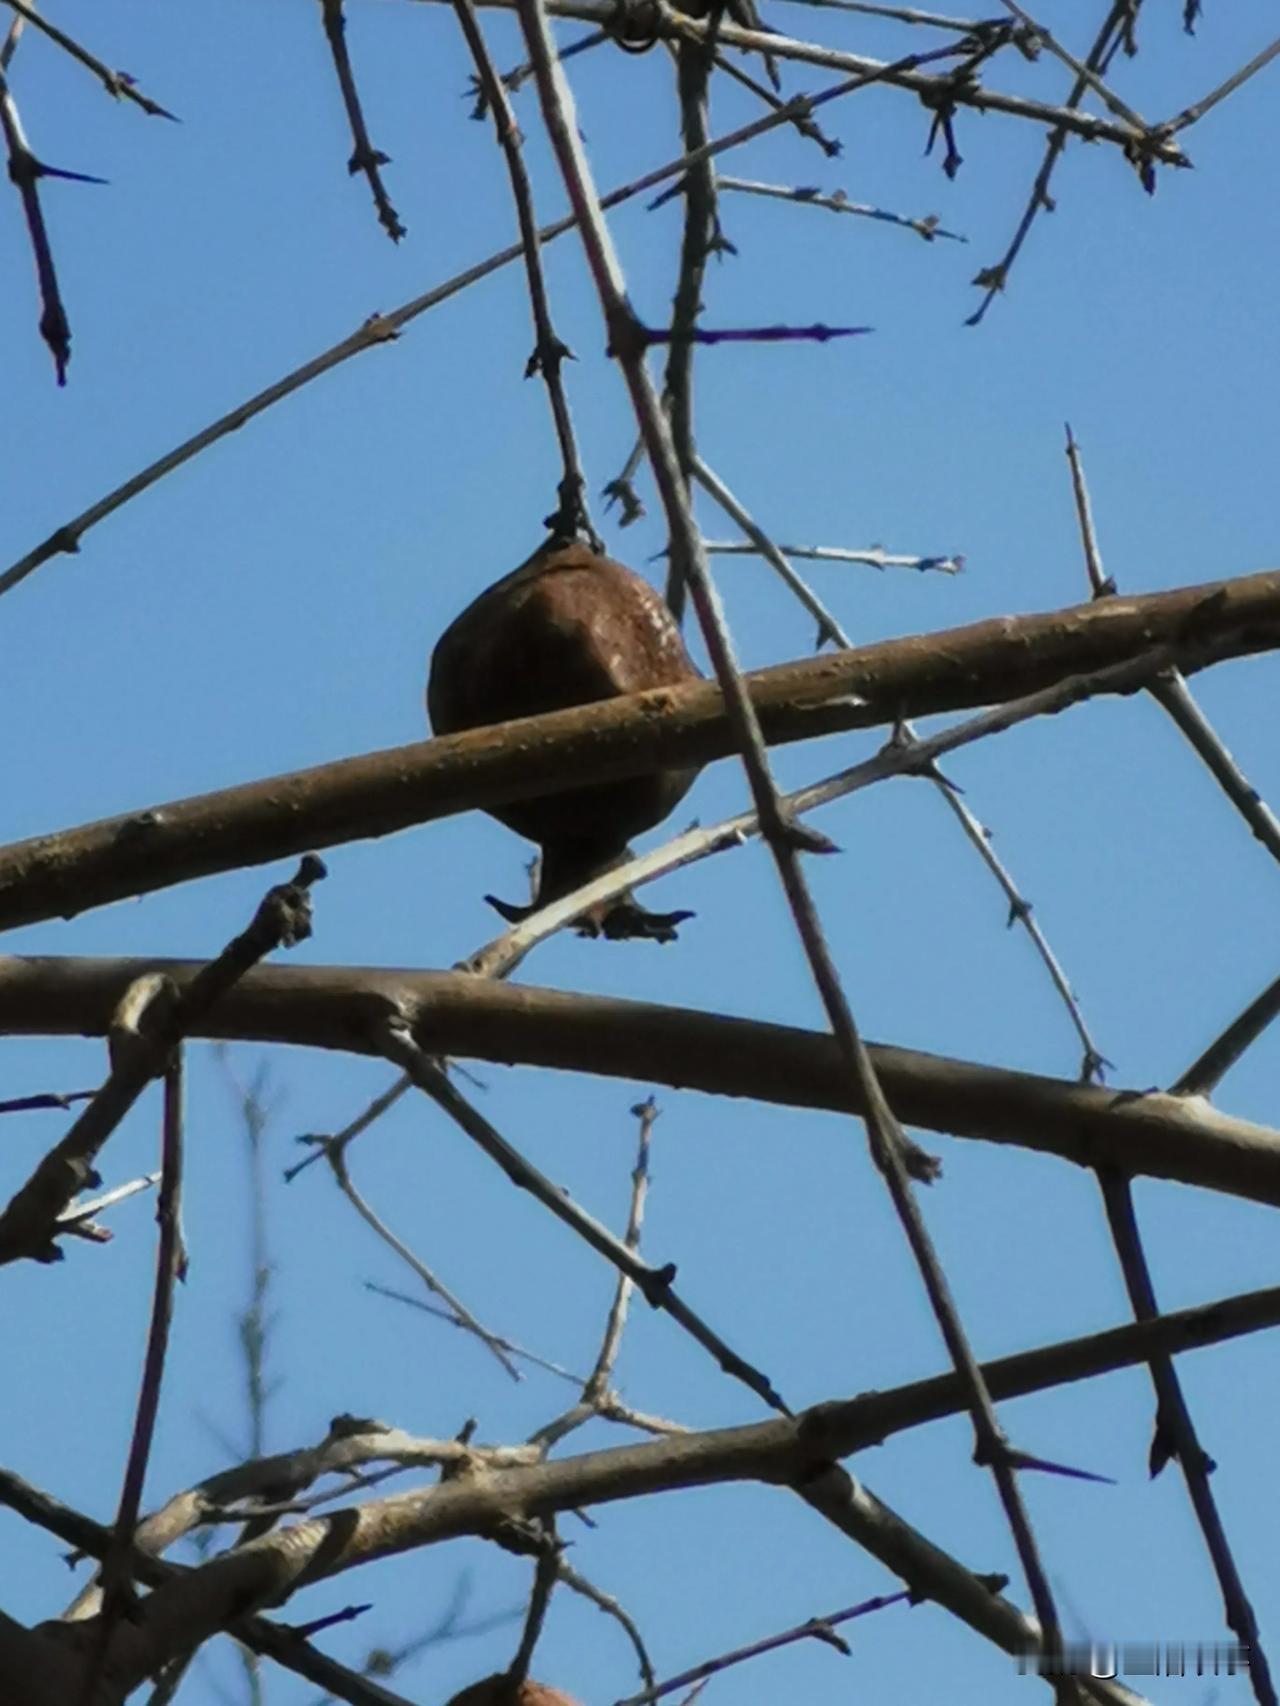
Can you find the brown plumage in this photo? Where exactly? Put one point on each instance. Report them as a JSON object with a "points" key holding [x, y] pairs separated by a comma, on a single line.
{"points": [[497, 1691], [568, 627]]}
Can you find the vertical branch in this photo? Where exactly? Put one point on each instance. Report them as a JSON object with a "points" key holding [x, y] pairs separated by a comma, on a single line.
{"points": [[701, 235], [549, 351], [786, 838], [1175, 1433], [25, 171], [546, 1574], [364, 156], [597, 1381], [171, 1265], [254, 1324]]}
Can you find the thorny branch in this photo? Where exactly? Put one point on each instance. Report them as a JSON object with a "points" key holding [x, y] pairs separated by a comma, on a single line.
{"points": [[897, 1156], [550, 352], [118, 84], [364, 156], [983, 664], [150, 1021]]}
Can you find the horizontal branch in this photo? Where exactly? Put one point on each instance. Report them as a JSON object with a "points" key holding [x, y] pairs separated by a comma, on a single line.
{"points": [[352, 799], [778, 1452], [452, 1013], [932, 88]]}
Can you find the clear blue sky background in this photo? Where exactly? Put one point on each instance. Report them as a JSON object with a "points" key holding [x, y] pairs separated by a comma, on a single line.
{"points": [[273, 606]]}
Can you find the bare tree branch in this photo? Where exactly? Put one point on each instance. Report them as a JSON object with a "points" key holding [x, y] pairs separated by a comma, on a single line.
{"points": [[1006, 658]]}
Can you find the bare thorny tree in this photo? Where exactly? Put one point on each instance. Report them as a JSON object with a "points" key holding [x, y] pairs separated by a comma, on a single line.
{"points": [[142, 1618]]}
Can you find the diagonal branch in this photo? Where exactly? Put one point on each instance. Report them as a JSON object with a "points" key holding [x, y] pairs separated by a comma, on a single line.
{"points": [[353, 799], [117, 83], [150, 1021], [396, 1041]]}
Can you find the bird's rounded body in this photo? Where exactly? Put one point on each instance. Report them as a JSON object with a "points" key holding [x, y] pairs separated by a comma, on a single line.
{"points": [[568, 627]]}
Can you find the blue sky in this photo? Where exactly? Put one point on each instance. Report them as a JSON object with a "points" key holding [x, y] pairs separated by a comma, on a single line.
{"points": [[273, 605]]}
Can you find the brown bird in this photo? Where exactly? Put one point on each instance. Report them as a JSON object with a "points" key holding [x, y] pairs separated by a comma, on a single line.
{"points": [[497, 1691], [568, 627]]}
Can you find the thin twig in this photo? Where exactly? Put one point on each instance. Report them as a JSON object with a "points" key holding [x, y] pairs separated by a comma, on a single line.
{"points": [[171, 1266], [321, 1146], [979, 837], [898, 757], [1099, 581], [1171, 692], [1204, 1075], [898, 14], [116, 83], [512, 80], [364, 156], [395, 1040], [1175, 1434], [383, 328], [571, 517], [579, 1584], [594, 1393], [153, 1020], [25, 172], [60, 1099], [646, 1113], [462, 1316], [700, 236], [838, 202], [508, 1345], [814, 1628], [1197, 110], [993, 279], [804, 126], [545, 1575], [1044, 38], [73, 1218], [1175, 1430], [871, 556]]}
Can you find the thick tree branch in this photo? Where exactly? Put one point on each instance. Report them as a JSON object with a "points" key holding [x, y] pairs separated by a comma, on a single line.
{"points": [[867, 686], [452, 1013]]}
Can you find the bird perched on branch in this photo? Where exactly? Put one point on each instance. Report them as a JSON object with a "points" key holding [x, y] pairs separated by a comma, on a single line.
{"points": [[568, 627]]}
